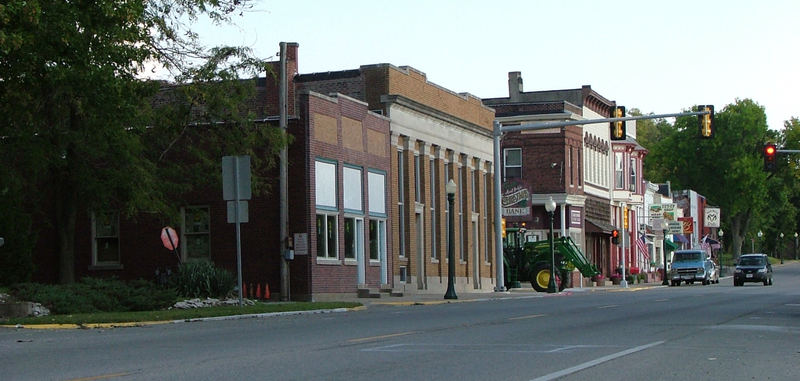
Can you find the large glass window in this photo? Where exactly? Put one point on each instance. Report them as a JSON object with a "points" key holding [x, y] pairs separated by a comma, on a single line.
{"points": [[325, 177], [353, 189], [434, 171], [326, 236], [376, 239], [106, 238], [377, 193], [619, 171], [512, 162], [633, 175], [196, 233], [417, 178]]}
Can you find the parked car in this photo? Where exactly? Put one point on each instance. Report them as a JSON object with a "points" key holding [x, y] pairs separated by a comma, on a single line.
{"points": [[692, 265], [753, 268]]}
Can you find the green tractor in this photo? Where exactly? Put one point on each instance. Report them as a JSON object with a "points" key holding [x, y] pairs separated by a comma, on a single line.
{"points": [[532, 263]]}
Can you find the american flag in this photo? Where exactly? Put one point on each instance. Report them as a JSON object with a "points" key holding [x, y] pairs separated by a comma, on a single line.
{"points": [[642, 246], [704, 245]]}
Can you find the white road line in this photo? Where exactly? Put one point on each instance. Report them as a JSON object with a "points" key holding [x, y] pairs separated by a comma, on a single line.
{"points": [[578, 368]]}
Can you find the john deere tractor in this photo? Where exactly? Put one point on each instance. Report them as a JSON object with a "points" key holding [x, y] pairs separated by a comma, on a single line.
{"points": [[532, 263]]}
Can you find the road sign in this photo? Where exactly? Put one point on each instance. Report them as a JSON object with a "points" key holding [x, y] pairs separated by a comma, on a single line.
{"points": [[169, 238], [236, 177]]}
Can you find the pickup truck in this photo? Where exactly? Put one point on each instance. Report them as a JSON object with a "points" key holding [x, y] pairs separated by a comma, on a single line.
{"points": [[692, 266]]}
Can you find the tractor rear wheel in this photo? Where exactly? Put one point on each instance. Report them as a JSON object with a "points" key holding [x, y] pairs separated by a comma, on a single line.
{"points": [[540, 278]]}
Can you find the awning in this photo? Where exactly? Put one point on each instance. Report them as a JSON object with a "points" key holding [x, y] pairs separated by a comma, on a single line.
{"points": [[680, 238], [671, 246], [598, 227]]}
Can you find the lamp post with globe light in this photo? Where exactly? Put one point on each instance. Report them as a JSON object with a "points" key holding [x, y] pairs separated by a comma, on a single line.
{"points": [[450, 189], [760, 234], [795, 246], [780, 250], [721, 253], [550, 207]]}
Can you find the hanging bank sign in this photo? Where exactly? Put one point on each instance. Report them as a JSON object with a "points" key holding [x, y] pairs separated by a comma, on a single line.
{"points": [[516, 199]]}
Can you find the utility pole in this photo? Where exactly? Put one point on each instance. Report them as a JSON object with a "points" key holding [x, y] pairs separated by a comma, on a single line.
{"points": [[283, 174]]}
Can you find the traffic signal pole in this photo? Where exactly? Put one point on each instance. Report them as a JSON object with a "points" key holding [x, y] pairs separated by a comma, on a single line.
{"points": [[497, 132]]}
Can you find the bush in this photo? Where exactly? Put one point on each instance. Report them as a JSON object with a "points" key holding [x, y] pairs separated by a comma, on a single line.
{"points": [[203, 280], [96, 295]]}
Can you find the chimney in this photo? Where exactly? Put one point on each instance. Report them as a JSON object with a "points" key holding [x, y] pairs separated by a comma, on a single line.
{"points": [[514, 85]]}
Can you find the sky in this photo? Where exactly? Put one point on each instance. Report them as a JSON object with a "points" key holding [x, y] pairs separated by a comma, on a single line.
{"points": [[661, 57]]}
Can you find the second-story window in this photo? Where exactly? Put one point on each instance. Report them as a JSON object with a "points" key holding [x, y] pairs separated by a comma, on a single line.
{"points": [[619, 172], [633, 175], [512, 162]]}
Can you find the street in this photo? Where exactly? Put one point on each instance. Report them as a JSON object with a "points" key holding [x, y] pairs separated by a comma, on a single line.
{"points": [[692, 332]]}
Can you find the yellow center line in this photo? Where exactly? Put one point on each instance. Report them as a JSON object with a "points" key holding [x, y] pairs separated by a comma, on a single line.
{"points": [[527, 317], [381, 337], [105, 376]]}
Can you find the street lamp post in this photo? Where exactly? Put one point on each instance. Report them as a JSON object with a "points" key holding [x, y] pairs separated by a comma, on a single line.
{"points": [[550, 207], [721, 253], [780, 249], [664, 226], [450, 188], [795, 246], [759, 240]]}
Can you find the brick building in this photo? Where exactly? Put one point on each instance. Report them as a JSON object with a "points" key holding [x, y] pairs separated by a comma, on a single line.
{"points": [[593, 180], [436, 135]]}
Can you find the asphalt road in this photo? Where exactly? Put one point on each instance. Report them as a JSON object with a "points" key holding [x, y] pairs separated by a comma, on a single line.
{"points": [[715, 332]]}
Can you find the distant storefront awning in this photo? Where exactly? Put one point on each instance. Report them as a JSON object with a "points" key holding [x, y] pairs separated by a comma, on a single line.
{"points": [[672, 246], [598, 227], [680, 238]]}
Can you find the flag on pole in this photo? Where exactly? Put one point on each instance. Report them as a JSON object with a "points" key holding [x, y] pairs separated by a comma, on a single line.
{"points": [[642, 246], [705, 245]]}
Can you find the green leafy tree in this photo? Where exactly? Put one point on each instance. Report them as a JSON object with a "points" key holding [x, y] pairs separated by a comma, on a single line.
{"points": [[728, 169], [83, 128]]}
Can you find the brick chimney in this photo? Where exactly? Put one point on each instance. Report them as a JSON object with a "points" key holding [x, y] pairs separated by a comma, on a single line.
{"points": [[514, 85]]}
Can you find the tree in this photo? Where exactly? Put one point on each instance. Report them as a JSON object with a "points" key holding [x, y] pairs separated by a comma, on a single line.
{"points": [[726, 169], [83, 127]]}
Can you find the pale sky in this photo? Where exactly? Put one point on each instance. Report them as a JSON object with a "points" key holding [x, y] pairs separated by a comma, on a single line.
{"points": [[658, 56]]}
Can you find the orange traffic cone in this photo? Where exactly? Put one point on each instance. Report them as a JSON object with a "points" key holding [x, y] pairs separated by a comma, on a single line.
{"points": [[258, 291], [244, 290], [266, 291]]}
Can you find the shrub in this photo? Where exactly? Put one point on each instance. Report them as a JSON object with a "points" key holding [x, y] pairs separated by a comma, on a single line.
{"points": [[201, 279], [96, 295]]}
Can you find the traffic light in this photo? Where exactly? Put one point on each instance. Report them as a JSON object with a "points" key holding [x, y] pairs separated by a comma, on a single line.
{"points": [[503, 226], [618, 128], [615, 237], [706, 122], [770, 164]]}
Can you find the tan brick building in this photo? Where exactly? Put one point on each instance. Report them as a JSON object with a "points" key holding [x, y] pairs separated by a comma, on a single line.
{"points": [[436, 135]]}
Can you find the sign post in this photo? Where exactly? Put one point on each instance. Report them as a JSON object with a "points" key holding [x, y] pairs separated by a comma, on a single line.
{"points": [[236, 186]]}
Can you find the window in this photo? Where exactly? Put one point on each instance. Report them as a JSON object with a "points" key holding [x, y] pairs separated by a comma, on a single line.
{"points": [[512, 162], [326, 236], [619, 174], [633, 175], [105, 228], [376, 182], [434, 171], [474, 190], [417, 179], [325, 176], [196, 233], [353, 189], [376, 239], [401, 213], [350, 238]]}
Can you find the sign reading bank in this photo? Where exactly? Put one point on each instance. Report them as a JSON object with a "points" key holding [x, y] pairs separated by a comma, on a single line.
{"points": [[516, 200]]}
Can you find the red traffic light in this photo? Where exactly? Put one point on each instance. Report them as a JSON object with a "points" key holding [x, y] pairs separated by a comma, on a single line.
{"points": [[770, 164], [615, 236]]}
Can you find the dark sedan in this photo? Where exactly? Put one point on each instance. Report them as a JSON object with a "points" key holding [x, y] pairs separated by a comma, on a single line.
{"points": [[753, 268]]}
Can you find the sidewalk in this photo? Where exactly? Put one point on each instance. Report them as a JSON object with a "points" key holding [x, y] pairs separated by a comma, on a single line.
{"points": [[526, 291]]}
